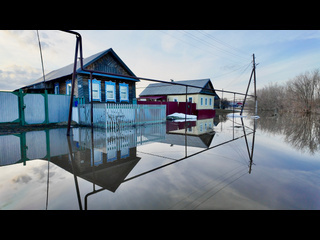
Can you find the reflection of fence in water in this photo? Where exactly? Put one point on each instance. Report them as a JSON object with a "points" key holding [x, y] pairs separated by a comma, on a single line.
{"points": [[45, 144]]}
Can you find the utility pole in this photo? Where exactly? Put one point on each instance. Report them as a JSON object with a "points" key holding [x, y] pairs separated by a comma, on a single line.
{"points": [[255, 86], [253, 72], [44, 79]]}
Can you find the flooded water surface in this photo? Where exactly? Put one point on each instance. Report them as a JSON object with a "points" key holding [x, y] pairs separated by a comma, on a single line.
{"points": [[219, 163]]}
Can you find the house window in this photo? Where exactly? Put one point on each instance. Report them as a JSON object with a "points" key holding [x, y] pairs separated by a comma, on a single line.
{"points": [[206, 101], [190, 99], [110, 91], [96, 90], [210, 101], [56, 88], [68, 87], [201, 101], [124, 92]]}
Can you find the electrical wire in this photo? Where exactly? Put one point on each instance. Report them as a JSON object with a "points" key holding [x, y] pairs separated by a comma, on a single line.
{"points": [[207, 51], [222, 42], [246, 65], [221, 178], [243, 71], [211, 45], [210, 196]]}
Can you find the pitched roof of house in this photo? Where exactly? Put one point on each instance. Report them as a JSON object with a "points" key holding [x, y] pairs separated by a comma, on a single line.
{"points": [[68, 70], [171, 89]]}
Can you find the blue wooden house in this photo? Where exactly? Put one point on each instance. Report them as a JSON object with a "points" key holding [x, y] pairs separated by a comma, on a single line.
{"points": [[105, 87]]}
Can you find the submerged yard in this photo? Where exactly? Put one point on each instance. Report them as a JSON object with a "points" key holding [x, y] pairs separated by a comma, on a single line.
{"points": [[206, 164]]}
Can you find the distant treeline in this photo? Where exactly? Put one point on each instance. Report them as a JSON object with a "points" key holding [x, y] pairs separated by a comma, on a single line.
{"points": [[300, 94], [302, 131]]}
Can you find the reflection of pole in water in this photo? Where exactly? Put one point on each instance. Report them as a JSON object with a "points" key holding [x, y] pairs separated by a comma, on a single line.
{"points": [[74, 172], [185, 123], [250, 154], [253, 138]]}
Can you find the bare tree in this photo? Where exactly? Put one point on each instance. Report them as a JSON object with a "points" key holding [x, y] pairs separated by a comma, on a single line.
{"points": [[303, 91], [271, 97], [300, 94]]}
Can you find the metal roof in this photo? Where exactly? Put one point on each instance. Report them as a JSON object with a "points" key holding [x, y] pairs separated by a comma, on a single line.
{"points": [[68, 70], [171, 89]]}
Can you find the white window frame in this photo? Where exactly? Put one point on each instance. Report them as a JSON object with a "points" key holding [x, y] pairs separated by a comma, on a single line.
{"points": [[56, 88], [68, 87], [124, 92], [112, 87], [96, 96]]}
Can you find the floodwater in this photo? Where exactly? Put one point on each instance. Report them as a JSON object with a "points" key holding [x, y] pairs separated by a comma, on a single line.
{"points": [[219, 163]]}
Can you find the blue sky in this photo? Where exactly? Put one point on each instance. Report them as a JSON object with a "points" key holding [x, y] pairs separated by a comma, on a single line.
{"points": [[224, 56]]}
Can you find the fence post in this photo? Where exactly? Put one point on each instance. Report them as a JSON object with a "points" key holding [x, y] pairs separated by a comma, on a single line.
{"points": [[21, 107], [23, 146], [46, 107]]}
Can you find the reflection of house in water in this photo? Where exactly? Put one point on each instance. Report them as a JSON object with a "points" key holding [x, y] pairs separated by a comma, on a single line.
{"points": [[106, 162], [96, 168], [199, 133]]}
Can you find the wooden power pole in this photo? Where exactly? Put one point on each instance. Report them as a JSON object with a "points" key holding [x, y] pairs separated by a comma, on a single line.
{"points": [[253, 72]]}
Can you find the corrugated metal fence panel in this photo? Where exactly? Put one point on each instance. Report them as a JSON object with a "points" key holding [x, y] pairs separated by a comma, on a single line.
{"points": [[35, 109], [58, 108], [9, 149], [58, 142], [9, 107], [36, 144], [151, 113]]}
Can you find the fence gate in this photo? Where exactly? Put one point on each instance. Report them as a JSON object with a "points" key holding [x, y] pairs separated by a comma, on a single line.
{"points": [[34, 111]]}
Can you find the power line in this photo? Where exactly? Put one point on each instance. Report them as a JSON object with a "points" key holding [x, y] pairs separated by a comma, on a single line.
{"points": [[209, 44], [222, 42], [233, 80], [197, 46], [246, 65], [210, 196]]}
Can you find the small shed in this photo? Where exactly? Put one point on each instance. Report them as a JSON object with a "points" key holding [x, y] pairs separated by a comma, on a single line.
{"points": [[106, 88]]}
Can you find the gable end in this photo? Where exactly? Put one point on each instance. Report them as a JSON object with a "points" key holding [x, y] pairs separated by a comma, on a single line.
{"points": [[108, 63]]}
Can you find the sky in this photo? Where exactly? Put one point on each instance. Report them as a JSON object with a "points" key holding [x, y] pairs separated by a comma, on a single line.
{"points": [[224, 56]]}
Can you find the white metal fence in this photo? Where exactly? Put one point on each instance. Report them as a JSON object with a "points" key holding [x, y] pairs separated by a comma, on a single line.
{"points": [[111, 115]]}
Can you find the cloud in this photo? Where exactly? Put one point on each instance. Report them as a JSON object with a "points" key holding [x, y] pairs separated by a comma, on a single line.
{"points": [[16, 76], [23, 178], [25, 38], [28, 38]]}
